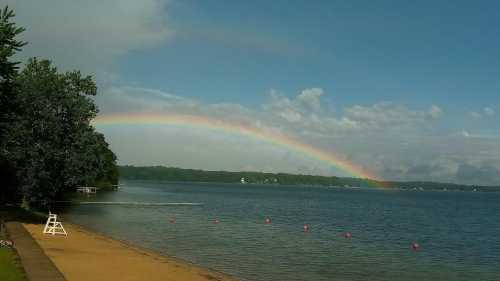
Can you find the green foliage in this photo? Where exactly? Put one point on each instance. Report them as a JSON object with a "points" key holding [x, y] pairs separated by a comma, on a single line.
{"points": [[107, 171], [8, 69], [9, 189], [47, 143], [9, 104], [177, 174], [8, 44], [53, 144]]}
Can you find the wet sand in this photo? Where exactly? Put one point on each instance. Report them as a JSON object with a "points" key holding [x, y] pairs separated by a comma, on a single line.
{"points": [[84, 255]]}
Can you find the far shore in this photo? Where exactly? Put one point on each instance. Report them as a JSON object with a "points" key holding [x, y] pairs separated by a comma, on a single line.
{"points": [[85, 255]]}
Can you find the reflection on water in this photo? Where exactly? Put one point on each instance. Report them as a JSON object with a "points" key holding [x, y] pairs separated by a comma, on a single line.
{"points": [[458, 232]]}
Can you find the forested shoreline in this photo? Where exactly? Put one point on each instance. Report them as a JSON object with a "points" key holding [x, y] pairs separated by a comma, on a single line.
{"points": [[47, 143], [190, 175]]}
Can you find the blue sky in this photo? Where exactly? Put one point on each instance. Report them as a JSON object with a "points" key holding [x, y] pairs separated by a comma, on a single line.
{"points": [[412, 53], [408, 89]]}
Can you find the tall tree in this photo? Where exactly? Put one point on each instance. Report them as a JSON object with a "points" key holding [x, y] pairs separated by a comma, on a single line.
{"points": [[9, 104], [9, 45], [54, 145], [47, 144]]}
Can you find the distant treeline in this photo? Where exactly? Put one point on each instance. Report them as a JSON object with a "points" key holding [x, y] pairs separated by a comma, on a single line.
{"points": [[178, 174], [190, 175]]}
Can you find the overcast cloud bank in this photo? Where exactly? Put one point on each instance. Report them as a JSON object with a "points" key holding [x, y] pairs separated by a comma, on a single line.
{"points": [[393, 140]]}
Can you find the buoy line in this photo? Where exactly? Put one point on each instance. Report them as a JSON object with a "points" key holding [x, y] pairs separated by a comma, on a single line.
{"points": [[138, 203], [267, 220]]}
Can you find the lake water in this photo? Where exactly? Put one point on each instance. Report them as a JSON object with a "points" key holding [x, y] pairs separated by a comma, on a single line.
{"points": [[458, 232]]}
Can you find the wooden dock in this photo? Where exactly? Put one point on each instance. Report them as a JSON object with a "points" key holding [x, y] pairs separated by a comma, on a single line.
{"points": [[87, 189]]}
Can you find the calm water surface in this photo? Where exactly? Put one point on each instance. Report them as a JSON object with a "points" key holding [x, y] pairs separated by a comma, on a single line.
{"points": [[459, 232]]}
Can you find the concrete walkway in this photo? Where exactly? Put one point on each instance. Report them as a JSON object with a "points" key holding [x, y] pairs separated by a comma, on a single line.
{"points": [[37, 265]]}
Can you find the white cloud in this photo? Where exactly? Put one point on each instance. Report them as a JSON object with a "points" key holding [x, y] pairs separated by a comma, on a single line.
{"points": [[311, 98], [299, 109], [474, 114], [388, 116], [435, 111], [290, 115], [89, 34], [465, 134], [388, 138], [139, 99], [472, 173], [297, 115], [489, 111]]}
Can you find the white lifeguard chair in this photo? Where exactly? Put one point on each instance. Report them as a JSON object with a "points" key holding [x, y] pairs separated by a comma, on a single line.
{"points": [[53, 226]]}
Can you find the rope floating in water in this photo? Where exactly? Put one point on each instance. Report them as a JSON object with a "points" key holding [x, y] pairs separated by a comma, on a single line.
{"points": [[139, 203]]}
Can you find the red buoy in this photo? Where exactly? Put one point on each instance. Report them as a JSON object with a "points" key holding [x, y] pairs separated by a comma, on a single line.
{"points": [[267, 220], [216, 221], [172, 220], [306, 227], [415, 246], [348, 235]]}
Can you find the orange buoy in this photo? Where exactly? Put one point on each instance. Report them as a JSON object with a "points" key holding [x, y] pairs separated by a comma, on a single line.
{"points": [[306, 227], [172, 220], [267, 220], [216, 221]]}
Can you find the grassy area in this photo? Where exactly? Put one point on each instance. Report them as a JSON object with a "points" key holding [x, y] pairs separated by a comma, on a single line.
{"points": [[10, 266], [10, 269]]}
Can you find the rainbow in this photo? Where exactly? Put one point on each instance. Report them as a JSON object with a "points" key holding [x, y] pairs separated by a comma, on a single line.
{"points": [[272, 137]]}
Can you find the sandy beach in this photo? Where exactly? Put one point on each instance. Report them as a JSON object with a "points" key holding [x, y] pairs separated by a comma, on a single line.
{"points": [[84, 255]]}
